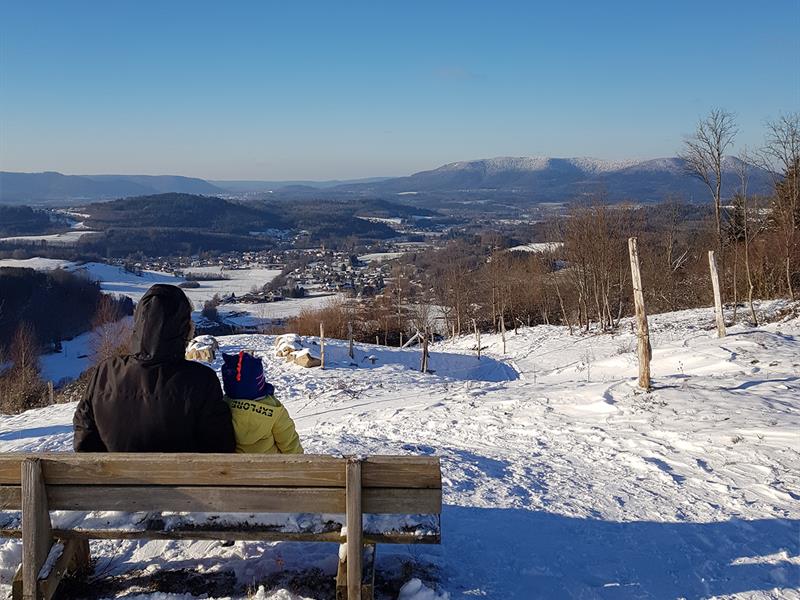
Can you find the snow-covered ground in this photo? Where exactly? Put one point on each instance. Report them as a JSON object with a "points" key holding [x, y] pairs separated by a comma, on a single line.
{"points": [[75, 357], [561, 478]]}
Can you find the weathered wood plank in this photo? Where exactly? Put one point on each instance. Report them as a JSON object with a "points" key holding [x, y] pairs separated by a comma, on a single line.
{"points": [[368, 575], [368, 580], [720, 317], [74, 557], [220, 499], [16, 585], [11, 496], [36, 532], [341, 578], [401, 471], [405, 501], [196, 499], [355, 527], [65, 468], [643, 349]]}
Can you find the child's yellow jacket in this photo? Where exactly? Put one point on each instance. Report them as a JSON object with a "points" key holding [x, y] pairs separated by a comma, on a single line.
{"points": [[263, 426]]}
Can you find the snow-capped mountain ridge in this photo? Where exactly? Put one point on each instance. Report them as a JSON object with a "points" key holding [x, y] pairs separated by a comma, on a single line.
{"points": [[540, 163], [547, 178], [586, 164]]}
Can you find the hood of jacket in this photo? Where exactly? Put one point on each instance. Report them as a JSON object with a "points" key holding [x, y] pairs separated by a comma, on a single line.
{"points": [[162, 322]]}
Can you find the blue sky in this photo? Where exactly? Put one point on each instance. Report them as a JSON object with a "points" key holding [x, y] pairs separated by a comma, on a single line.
{"points": [[302, 90]]}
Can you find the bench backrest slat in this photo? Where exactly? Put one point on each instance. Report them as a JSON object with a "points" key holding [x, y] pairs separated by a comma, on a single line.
{"points": [[63, 468], [225, 483], [66, 468]]}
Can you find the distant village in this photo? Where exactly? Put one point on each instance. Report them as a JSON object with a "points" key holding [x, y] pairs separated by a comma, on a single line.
{"points": [[302, 271]]}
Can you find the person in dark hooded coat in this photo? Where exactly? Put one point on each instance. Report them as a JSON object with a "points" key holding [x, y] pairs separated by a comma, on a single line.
{"points": [[154, 400]]}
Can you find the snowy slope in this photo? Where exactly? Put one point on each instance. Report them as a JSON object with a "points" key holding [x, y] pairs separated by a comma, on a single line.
{"points": [[561, 479]]}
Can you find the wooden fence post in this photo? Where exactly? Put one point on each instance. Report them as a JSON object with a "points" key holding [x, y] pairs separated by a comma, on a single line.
{"points": [[322, 345], [478, 336], [350, 338], [712, 265], [643, 348], [354, 529], [424, 365], [37, 535]]}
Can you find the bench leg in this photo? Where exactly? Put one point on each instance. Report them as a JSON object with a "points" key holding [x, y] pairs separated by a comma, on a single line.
{"points": [[37, 534], [74, 558], [341, 579], [16, 585], [355, 530], [368, 579], [83, 558]]}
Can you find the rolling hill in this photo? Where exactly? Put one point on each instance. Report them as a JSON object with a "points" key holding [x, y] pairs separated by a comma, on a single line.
{"points": [[534, 179], [55, 188]]}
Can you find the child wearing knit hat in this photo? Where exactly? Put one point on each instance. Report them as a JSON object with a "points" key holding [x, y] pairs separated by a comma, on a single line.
{"points": [[261, 423]]}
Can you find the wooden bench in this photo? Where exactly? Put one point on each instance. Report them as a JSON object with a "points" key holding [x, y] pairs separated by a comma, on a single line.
{"points": [[210, 483]]}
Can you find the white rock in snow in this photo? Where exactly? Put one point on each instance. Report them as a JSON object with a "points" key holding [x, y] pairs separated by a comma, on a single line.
{"points": [[416, 590]]}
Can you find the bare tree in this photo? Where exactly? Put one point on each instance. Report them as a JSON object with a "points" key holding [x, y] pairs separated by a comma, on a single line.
{"points": [[111, 331], [24, 350], [703, 154], [743, 169], [781, 155], [594, 247], [21, 387]]}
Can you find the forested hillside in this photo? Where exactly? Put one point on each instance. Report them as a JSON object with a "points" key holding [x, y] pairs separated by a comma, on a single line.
{"points": [[23, 220]]}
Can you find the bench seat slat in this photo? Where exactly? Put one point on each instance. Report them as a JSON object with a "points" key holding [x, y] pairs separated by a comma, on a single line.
{"points": [[250, 535], [66, 468]]}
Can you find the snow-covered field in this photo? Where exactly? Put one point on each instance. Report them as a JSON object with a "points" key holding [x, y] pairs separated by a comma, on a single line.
{"points": [[380, 256], [256, 314], [561, 478], [38, 263], [537, 248], [115, 280], [241, 281], [63, 239]]}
